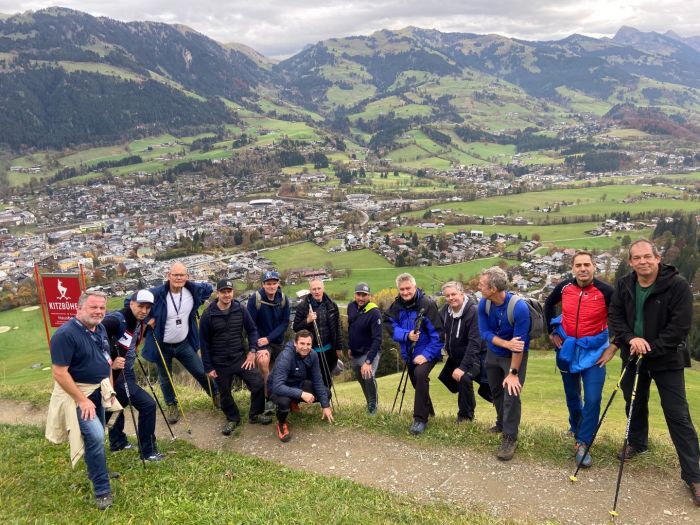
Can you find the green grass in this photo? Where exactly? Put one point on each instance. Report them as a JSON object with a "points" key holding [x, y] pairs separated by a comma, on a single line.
{"points": [[195, 486]]}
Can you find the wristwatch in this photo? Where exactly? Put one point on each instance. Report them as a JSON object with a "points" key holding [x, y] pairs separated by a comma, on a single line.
{"points": [[368, 362], [514, 371]]}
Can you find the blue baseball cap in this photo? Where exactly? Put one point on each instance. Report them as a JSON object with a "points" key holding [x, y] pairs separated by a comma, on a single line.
{"points": [[271, 275]]}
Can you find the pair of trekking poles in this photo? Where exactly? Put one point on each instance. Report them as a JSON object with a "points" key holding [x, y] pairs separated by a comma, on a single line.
{"points": [[403, 380], [613, 512]]}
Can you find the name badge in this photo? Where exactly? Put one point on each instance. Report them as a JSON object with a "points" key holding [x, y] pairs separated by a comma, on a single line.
{"points": [[178, 322]]}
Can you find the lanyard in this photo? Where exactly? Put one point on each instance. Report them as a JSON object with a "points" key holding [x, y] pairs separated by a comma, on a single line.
{"points": [[176, 308]]}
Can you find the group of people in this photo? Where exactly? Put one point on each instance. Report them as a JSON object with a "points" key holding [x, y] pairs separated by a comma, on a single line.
{"points": [[486, 342]]}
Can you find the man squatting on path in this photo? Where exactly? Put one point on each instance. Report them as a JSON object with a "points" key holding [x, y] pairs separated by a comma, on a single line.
{"points": [[173, 324], [221, 333]]}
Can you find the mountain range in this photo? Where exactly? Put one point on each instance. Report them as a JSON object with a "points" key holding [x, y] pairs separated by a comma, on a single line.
{"points": [[67, 78]]}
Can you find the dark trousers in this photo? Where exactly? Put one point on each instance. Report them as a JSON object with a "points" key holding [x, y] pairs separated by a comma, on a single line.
{"points": [[420, 379], [252, 379], [284, 403], [146, 407], [671, 387], [466, 402], [327, 360], [508, 407]]}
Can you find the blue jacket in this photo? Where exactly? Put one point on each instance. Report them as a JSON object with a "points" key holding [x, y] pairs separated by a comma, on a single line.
{"points": [[401, 318], [200, 293], [290, 372], [364, 330], [579, 354], [497, 324], [272, 319]]}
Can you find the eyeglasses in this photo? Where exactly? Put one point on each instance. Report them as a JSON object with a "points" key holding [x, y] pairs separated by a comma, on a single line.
{"points": [[178, 275]]}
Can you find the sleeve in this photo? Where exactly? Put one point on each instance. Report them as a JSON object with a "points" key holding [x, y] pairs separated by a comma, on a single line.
{"points": [[62, 348], [251, 330], [432, 326], [300, 317], [617, 319], [397, 332], [204, 342], [376, 331], [486, 333], [317, 380], [680, 308], [521, 318], [335, 327], [279, 378], [281, 328], [473, 347], [553, 299], [250, 306]]}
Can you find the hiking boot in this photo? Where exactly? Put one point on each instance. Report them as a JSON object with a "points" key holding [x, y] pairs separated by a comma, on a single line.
{"points": [[372, 409], [495, 429], [155, 457], [584, 460], [269, 408], [216, 399], [283, 432], [462, 419], [629, 451], [260, 419], [128, 446], [294, 406], [173, 414], [230, 427], [507, 450], [418, 427], [695, 491], [103, 502]]}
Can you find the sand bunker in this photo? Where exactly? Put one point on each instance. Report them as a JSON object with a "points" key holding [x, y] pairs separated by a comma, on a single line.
{"points": [[4, 329], [30, 308]]}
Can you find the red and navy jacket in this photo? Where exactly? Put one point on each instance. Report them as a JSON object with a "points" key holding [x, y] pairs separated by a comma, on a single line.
{"points": [[584, 310]]}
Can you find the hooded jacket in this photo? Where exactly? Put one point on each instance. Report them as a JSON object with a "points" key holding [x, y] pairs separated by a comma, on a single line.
{"points": [[290, 372], [463, 342], [364, 330], [401, 318], [272, 318], [668, 313]]}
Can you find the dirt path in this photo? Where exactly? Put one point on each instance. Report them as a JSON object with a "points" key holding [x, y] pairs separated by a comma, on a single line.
{"points": [[515, 489]]}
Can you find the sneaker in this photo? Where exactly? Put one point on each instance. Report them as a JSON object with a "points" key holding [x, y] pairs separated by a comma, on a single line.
{"points": [[230, 427], [507, 450], [103, 502], [216, 399], [418, 427], [269, 408], [113, 474], [128, 446], [495, 429], [283, 432], [584, 460], [260, 419], [695, 491], [155, 457], [294, 406], [372, 409], [629, 451], [173, 414]]}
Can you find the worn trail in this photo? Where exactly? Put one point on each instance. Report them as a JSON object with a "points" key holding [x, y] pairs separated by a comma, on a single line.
{"points": [[517, 489]]}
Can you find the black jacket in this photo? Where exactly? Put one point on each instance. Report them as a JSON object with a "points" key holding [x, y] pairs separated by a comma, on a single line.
{"points": [[221, 335], [364, 330], [462, 339], [328, 321], [668, 313]]}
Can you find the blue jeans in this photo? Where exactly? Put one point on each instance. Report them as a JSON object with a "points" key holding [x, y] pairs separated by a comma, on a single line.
{"points": [[93, 432], [184, 353], [146, 407], [584, 413]]}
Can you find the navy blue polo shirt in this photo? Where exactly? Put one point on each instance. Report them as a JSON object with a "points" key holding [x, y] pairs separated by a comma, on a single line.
{"points": [[85, 353]]}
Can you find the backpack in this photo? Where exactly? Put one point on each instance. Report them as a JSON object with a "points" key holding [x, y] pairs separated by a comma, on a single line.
{"points": [[259, 301], [537, 324]]}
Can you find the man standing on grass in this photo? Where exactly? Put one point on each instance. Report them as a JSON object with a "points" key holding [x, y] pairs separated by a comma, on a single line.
{"points": [[463, 345], [506, 358], [365, 342], [269, 309], [221, 330], [580, 336], [420, 343], [296, 377], [173, 323], [81, 371], [124, 330], [650, 313]]}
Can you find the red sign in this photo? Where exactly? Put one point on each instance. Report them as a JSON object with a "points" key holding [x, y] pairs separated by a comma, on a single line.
{"points": [[62, 292]]}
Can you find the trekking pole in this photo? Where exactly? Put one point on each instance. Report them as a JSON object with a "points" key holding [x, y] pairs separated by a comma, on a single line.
{"points": [[172, 383], [131, 409], [324, 362], [416, 328], [613, 512], [586, 448], [398, 388], [160, 407]]}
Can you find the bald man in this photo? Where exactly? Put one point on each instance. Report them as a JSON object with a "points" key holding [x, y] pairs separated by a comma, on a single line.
{"points": [[173, 323]]}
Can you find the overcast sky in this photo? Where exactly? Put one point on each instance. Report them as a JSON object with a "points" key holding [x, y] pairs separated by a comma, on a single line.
{"points": [[279, 28]]}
